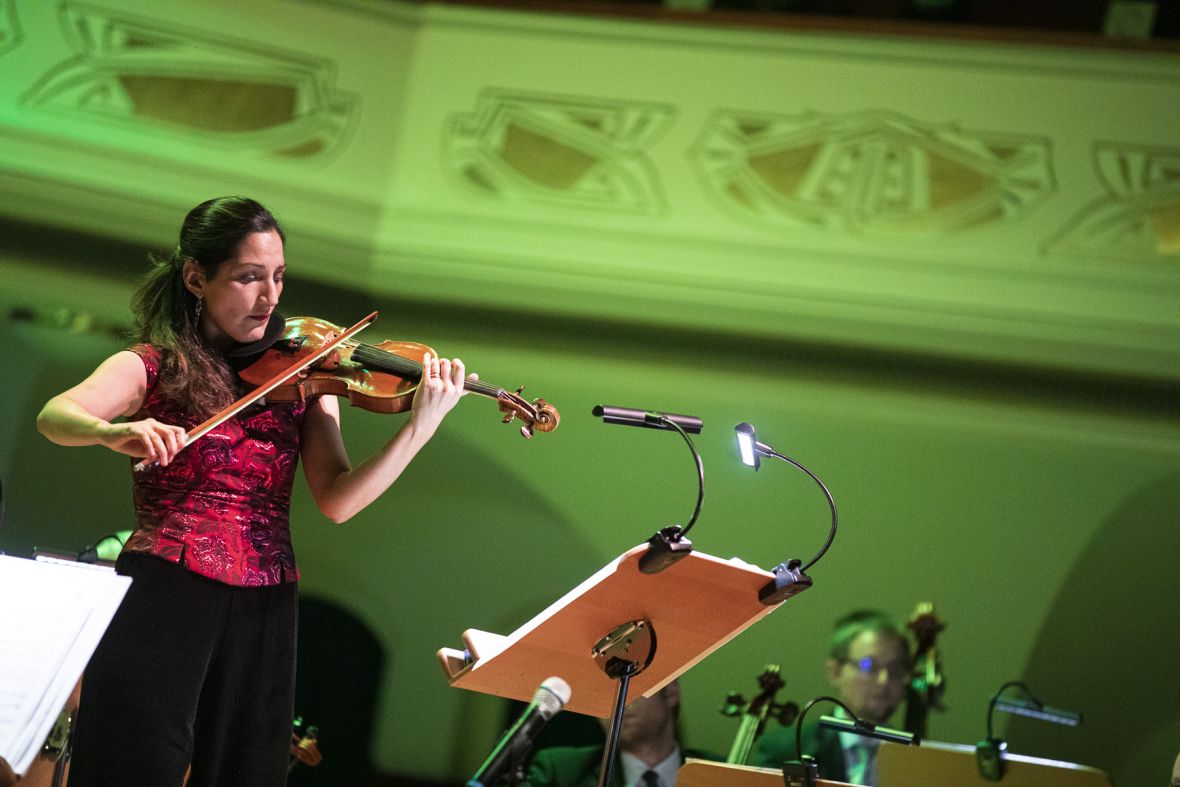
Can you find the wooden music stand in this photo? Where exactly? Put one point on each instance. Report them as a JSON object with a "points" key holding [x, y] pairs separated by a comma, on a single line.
{"points": [[701, 773], [694, 607], [620, 624], [937, 764]]}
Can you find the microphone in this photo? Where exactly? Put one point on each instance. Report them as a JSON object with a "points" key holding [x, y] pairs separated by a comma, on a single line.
{"points": [[649, 418], [551, 697]]}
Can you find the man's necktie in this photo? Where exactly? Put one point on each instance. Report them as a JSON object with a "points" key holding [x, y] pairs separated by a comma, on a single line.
{"points": [[649, 779], [864, 764]]}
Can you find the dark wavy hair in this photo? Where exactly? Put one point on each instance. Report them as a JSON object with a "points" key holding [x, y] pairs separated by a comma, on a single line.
{"points": [[194, 374]]}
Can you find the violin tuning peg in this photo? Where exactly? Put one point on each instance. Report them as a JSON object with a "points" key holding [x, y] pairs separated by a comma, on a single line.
{"points": [[787, 713], [526, 431], [518, 390]]}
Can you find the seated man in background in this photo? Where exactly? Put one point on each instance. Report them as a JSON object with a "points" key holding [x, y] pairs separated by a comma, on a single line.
{"points": [[649, 752], [869, 668]]}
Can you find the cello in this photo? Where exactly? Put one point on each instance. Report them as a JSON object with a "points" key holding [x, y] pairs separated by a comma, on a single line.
{"points": [[927, 682], [756, 712]]}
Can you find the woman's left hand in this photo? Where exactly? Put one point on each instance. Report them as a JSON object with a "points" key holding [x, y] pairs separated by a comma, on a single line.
{"points": [[341, 490], [439, 390]]}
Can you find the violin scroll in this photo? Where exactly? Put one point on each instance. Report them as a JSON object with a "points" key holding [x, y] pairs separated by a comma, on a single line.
{"points": [[538, 414]]}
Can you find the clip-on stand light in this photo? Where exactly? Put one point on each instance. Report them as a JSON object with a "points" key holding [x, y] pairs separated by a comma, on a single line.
{"points": [[989, 753], [803, 771], [790, 576], [668, 544]]}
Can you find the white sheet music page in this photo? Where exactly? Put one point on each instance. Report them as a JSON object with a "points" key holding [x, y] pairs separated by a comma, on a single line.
{"points": [[52, 616]]}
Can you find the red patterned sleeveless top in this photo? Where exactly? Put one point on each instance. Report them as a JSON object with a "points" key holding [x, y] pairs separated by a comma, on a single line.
{"points": [[221, 506]]}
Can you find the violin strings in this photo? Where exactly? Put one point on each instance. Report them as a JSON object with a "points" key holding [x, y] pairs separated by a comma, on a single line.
{"points": [[396, 364]]}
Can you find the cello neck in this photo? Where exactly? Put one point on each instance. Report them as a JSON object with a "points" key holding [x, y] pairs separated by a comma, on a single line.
{"points": [[739, 752]]}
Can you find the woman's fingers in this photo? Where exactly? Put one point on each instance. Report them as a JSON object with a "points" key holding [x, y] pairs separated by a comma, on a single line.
{"points": [[179, 438], [458, 374], [172, 438], [159, 451], [441, 387], [149, 439], [444, 374]]}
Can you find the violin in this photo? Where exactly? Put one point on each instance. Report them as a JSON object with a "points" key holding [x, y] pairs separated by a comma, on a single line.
{"points": [[379, 377], [926, 683], [755, 713]]}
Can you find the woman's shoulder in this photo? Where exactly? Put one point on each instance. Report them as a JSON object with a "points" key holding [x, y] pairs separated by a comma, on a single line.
{"points": [[152, 357], [146, 350]]}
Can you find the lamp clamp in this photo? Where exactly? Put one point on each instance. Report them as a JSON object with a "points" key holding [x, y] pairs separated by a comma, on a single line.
{"points": [[789, 580], [667, 546]]}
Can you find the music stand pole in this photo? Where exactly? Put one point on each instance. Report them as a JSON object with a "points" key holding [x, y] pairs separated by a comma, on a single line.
{"points": [[622, 654]]}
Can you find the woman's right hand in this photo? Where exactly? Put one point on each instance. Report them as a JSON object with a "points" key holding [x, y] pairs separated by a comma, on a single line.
{"points": [[149, 439]]}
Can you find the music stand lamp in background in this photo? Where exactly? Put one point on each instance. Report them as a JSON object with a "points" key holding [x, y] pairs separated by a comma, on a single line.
{"points": [[988, 761], [803, 772], [989, 753]]}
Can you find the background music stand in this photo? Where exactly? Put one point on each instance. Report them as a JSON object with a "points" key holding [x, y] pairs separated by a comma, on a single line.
{"points": [[692, 607], [701, 773], [937, 764]]}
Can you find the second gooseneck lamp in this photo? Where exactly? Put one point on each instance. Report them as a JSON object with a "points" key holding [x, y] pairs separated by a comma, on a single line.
{"points": [[791, 575]]}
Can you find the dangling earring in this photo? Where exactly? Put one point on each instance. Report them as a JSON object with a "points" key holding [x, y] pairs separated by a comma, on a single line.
{"points": [[200, 307]]}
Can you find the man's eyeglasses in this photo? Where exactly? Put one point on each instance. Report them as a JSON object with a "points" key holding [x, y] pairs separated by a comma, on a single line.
{"points": [[870, 667]]}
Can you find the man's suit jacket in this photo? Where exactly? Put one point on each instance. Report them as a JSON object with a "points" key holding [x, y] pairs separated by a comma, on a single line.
{"points": [[778, 745], [580, 766]]}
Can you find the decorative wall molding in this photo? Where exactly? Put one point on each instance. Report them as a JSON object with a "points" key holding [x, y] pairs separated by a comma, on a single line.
{"points": [[870, 173], [210, 90], [559, 151], [1138, 219], [850, 192]]}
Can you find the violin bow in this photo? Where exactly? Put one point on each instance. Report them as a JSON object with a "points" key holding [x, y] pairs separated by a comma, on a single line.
{"points": [[229, 412]]}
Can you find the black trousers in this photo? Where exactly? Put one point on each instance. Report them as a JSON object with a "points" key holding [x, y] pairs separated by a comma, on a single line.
{"points": [[190, 671]]}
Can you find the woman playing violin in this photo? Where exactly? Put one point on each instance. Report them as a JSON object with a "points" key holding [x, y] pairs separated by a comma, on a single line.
{"points": [[197, 667]]}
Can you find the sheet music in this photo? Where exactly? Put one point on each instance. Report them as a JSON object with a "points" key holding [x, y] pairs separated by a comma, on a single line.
{"points": [[52, 616]]}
